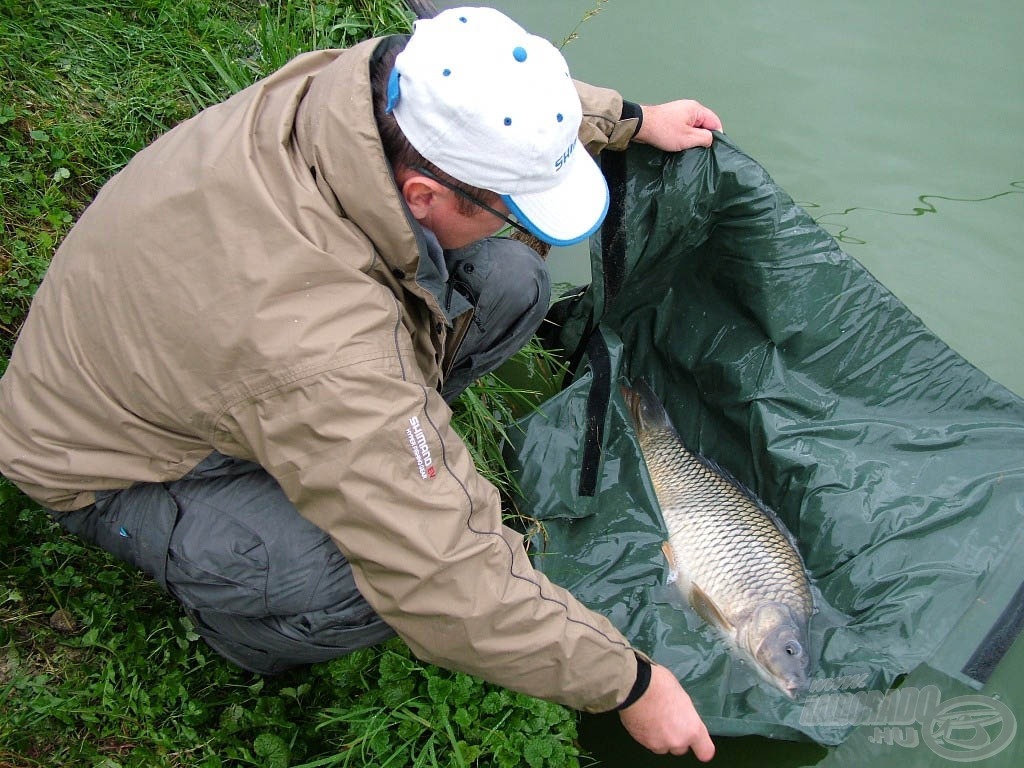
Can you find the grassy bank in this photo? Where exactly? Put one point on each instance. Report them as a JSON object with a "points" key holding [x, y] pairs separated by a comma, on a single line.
{"points": [[97, 666]]}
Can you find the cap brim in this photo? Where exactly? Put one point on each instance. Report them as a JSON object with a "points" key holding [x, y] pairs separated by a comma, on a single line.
{"points": [[569, 213]]}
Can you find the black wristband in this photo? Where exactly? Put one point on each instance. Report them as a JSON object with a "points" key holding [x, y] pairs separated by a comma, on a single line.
{"points": [[632, 111], [643, 679]]}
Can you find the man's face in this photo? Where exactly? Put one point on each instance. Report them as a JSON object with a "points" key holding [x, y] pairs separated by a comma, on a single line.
{"points": [[455, 229], [437, 208]]}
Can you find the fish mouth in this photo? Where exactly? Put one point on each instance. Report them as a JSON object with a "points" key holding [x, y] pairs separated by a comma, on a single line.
{"points": [[794, 689]]}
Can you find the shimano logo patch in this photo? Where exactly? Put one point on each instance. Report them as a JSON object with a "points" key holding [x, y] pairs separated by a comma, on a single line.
{"points": [[560, 162], [420, 450]]}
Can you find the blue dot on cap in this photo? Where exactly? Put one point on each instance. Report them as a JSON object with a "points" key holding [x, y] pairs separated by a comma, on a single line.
{"points": [[559, 117], [446, 72], [463, 19], [519, 53], [508, 121]]}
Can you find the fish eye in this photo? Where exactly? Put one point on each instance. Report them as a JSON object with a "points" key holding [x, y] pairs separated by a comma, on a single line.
{"points": [[793, 649]]}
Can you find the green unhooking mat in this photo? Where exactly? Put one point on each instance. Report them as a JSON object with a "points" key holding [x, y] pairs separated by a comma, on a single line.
{"points": [[897, 465]]}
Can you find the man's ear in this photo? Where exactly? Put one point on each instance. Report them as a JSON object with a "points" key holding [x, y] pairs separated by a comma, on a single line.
{"points": [[420, 195]]}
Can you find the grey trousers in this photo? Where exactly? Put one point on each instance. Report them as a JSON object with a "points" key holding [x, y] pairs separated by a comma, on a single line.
{"points": [[266, 588]]}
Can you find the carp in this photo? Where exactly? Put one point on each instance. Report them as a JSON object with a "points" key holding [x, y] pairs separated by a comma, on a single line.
{"points": [[735, 561]]}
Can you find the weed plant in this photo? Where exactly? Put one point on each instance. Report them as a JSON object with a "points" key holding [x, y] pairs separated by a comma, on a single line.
{"points": [[98, 667]]}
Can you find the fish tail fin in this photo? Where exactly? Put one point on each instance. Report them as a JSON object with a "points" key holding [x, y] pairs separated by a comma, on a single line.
{"points": [[645, 407]]}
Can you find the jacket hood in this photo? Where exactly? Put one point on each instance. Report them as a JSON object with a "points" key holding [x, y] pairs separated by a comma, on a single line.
{"points": [[337, 111]]}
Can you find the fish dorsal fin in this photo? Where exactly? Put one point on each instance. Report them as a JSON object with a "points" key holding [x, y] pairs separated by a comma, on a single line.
{"points": [[708, 611]]}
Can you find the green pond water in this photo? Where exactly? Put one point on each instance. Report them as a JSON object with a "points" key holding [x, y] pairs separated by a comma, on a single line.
{"points": [[898, 125]]}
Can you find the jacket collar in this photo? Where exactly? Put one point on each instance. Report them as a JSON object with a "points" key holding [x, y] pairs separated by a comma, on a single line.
{"points": [[337, 137]]}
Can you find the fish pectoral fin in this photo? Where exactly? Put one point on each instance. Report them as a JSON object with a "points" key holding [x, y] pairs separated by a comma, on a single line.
{"points": [[708, 611], [666, 549]]}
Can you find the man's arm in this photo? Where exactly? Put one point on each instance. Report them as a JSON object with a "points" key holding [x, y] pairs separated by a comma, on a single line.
{"points": [[609, 122], [677, 125], [366, 452]]}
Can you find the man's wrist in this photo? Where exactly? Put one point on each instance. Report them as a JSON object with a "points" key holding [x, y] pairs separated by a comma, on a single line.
{"points": [[643, 680], [632, 111]]}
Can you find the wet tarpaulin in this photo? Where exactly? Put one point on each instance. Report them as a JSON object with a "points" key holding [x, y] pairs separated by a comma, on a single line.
{"points": [[898, 465]]}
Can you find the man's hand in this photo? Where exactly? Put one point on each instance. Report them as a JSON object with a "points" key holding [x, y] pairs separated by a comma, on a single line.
{"points": [[664, 720], [678, 125]]}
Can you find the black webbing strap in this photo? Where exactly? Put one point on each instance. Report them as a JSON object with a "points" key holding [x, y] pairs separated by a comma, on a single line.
{"points": [[998, 640], [613, 230], [613, 253], [597, 408], [613, 267]]}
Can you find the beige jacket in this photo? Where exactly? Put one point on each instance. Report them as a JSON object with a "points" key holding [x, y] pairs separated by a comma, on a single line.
{"points": [[252, 283]]}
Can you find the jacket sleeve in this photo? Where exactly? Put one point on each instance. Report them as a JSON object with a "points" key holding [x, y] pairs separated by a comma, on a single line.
{"points": [[604, 125], [365, 450]]}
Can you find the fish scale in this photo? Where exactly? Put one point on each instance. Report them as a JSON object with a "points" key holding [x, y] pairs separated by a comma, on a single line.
{"points": [[699, 505], [732, 553]]}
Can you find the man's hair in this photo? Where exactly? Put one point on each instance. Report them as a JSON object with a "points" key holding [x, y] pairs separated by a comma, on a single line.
{"points": [[400, 153]]}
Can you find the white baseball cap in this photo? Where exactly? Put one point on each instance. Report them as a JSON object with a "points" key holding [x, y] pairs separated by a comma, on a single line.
{"points": [[494, 107]]}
